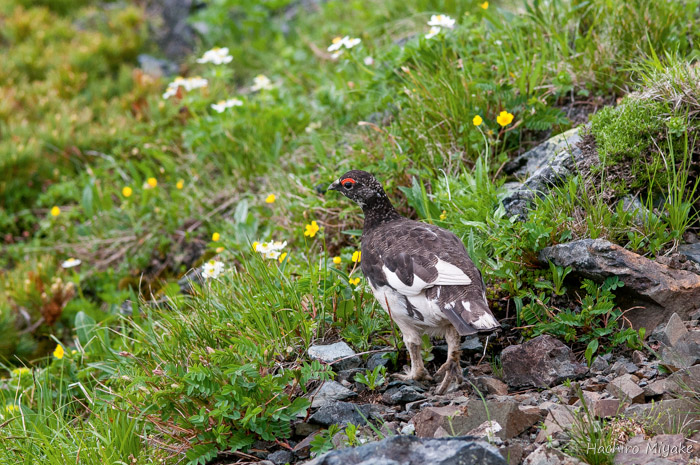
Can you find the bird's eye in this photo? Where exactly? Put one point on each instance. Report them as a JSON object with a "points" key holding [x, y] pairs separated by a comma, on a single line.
{"points": [[348, 185]]}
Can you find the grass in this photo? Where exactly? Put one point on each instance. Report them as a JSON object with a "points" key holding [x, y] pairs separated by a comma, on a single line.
{"points": [[79, 123]]}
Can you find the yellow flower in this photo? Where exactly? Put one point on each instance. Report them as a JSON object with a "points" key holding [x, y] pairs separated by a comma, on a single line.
{"points": [[443, 215], [477, 120], [127, 191], [11, 408], [336, 260], [55, 211], [219, 249], [21, 371], [356, 256], [270, 198], [484, 5], [255, 245], [505, 118], [283, 256], [354, 281], [153, 182], [180, 184], [59, 352], [310, 230], [215, 237], [73, 352]]}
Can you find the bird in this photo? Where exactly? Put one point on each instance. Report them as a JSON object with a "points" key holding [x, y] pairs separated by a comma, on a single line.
{"points": [[421, 274]]}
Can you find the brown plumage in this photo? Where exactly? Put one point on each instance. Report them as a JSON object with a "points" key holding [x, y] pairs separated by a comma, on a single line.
{"points": [[421, 274]]}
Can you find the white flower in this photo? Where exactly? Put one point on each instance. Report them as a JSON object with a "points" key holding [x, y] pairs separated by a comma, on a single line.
{"points": [[498, 42], [221, 106], [337, 43], [217, 56], [270, 250], [350, 43], [71, 262], [186, 83], [433, 32], [212, 269], [441, 21], [369, 61], [261, 82], [312, 127]]}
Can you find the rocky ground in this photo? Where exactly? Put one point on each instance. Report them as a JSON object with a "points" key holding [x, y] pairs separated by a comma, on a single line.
{"points": [[541, 400], [525, 414]]}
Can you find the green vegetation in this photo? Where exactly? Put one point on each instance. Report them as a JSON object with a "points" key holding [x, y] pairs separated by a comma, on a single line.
{"points": [[98, 166]]}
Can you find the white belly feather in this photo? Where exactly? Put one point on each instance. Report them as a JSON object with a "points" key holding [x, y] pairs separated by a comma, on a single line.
{"points": [[434, 320]]}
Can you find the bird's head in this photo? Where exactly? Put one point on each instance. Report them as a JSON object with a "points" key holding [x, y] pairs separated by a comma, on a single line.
{"points": [[359, 186]]}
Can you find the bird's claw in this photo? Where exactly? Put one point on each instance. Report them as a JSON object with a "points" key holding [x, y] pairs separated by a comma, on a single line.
{"points": [[419, 375], [450, 371]]}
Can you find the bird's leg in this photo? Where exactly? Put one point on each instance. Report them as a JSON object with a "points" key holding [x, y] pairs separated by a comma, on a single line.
{"points": [[418, 371], [450, 370]]}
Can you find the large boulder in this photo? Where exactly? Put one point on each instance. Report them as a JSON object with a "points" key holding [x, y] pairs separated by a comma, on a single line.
{"points": [[653, 290], [544, 167], [540, 362], [412, 450]]}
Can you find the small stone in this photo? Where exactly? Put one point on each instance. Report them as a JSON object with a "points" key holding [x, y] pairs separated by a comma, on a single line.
{"points": [[281, 457], [487, 430], [691, 251], [599, 405], [625, 388], [513, 453], [543, 455], [330, 391], [490, 385], [402, 395], [623, 366], [559, 419], [638, 357], [339, 355], [341, 413], [408, 429], [599, 366], [674, 331], [656, 388], [376, 360]]}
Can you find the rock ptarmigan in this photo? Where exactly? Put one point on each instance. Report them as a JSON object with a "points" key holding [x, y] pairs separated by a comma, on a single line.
{"points": [[421, 275]]}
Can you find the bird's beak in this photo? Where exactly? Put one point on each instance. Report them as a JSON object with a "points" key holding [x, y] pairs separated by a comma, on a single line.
{"points": [[334, 185]]}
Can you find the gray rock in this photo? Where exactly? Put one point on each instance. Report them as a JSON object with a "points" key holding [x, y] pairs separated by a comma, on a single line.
{"points": [[546, 166], [156, 66], [623, 366], [635, 206], [328, 392], [557, 423], [691, 251], [340, 355], [172, 32], [655, 291], [667, 416], [377, 359], [342, 413], [543, 455], [626, 388], [490, 385], [674, 331], [458, 420], [281, 457], [411, 450], [664, 449], [541, 362], [599, 366], [402, 395]]}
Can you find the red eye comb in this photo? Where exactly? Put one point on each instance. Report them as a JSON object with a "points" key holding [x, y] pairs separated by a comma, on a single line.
{"points": [[350, 180]]}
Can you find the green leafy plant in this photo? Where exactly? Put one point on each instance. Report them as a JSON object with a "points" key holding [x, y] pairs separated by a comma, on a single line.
{"points": [[373, 379]]}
